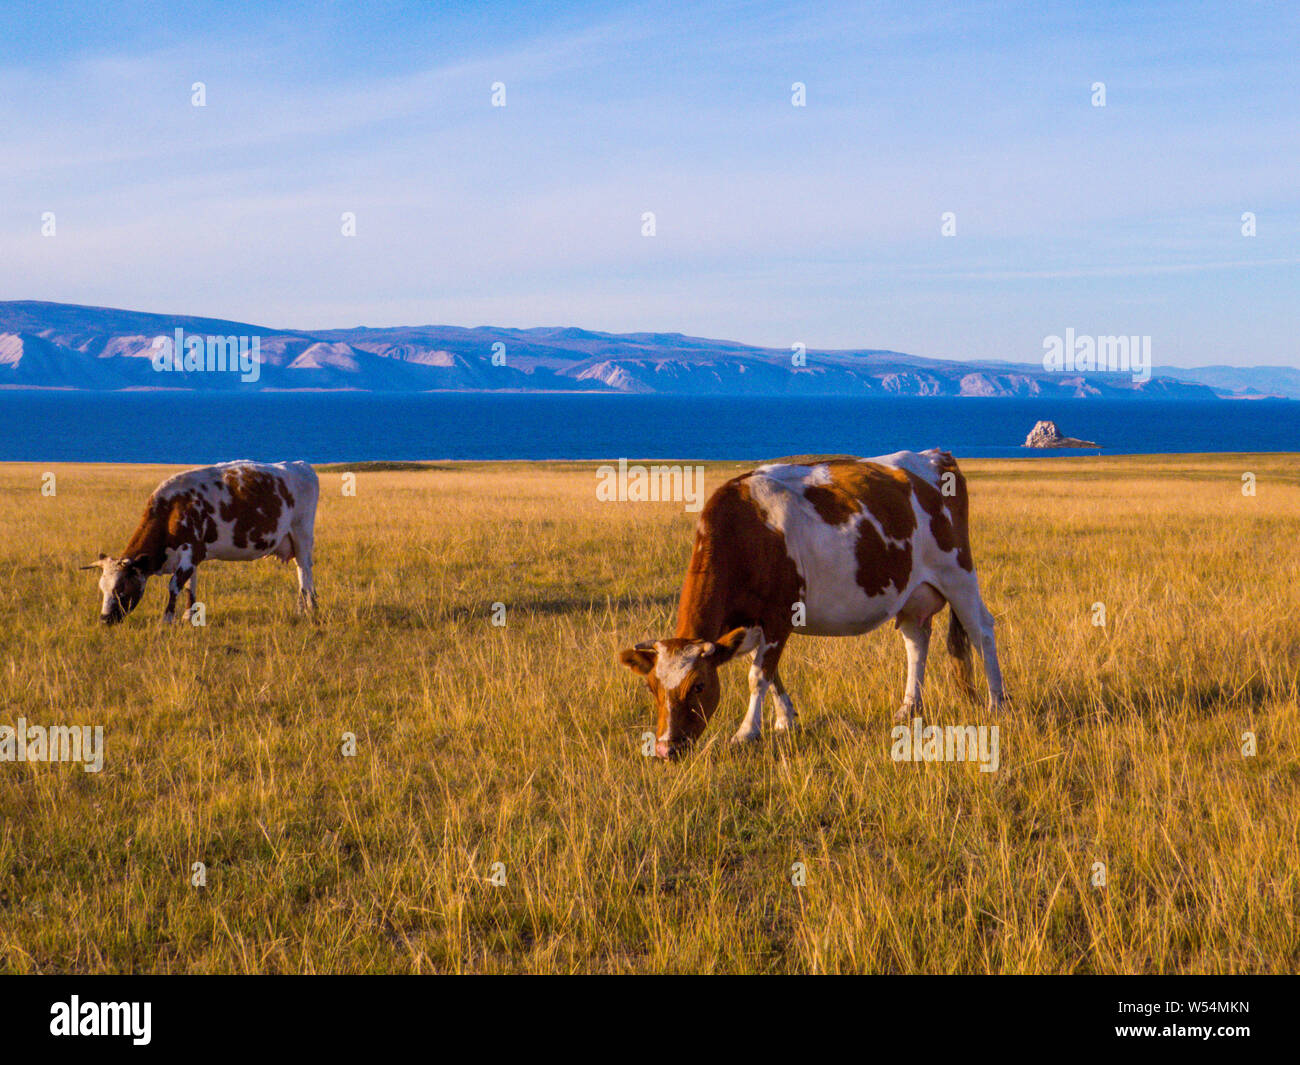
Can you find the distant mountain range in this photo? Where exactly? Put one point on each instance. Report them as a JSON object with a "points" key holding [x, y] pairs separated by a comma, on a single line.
{"points": [[56, 345]]}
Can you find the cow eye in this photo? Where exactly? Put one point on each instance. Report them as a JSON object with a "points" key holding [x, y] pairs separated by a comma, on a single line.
{"points": [[696, 689]]}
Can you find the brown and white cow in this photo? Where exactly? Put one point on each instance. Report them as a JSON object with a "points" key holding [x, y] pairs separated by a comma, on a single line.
{"points": [[843, 546], [234, 512]]}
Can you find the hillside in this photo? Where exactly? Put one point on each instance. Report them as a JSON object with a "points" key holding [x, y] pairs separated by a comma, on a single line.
{"points": [[53, 345]]}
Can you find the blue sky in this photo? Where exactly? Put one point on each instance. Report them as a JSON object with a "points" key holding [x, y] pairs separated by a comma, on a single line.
{"points": [[774, 224]]}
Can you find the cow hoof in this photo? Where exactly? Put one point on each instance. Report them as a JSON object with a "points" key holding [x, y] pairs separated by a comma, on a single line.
{"points": [[783, 725], [744, 738], [168, 619], [906, 713]]}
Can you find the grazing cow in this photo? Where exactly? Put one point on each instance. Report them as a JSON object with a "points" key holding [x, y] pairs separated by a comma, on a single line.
{"points": [[831, 549], [235, 512]]}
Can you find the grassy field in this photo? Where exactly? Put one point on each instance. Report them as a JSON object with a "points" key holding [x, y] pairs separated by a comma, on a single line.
{"points": [[520, 744]]}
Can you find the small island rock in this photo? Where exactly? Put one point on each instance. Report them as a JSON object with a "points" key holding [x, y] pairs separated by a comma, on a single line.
{"points": [[1046, 434]]}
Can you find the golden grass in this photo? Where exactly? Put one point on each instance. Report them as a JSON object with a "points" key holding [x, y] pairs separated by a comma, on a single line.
{"points": [[521, 745]]}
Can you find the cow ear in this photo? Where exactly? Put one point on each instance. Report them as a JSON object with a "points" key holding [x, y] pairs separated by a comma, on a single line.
{"points": [[98, 563], [727, 647], [639, 659]]}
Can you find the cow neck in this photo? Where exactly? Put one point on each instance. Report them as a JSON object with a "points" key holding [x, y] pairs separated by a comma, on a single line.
{"points": [[703, 606], [149, 543]]}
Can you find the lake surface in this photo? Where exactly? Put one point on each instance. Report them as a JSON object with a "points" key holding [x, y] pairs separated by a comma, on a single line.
{"points": [[355, 426]]}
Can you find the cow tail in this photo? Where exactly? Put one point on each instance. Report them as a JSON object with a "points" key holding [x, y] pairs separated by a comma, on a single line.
{"points": [[960, 649]]}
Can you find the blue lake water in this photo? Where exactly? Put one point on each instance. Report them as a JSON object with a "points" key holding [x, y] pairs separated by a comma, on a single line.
{"points": [[355, 426]]}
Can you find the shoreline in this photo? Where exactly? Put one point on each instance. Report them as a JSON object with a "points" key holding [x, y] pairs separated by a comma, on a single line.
{"points": [[437, 464]]}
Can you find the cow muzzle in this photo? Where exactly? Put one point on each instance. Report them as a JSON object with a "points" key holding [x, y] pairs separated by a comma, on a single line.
{"points": [[669, 751]]}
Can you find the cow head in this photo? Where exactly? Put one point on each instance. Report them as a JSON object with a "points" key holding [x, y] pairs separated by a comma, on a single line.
{"points": [[121, 581], [682, 675]]}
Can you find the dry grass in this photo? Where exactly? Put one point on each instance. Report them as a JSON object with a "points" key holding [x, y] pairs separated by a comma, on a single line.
{"points": [[479, 744]]}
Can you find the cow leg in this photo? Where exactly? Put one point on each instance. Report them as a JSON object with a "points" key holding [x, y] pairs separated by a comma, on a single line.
{"points": [[762, 676], [190, 590], [786, 719], [914, 622], [183, 572], [964, 597], [751, 728], [302, 547], [916, 635]]}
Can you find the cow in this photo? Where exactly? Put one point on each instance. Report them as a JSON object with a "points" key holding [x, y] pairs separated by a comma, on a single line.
{"points": [[833, 548], [234, 512]]}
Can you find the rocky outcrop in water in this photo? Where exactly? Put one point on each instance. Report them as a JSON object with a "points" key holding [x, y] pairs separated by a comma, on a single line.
{"points": [[1046, 434]]}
